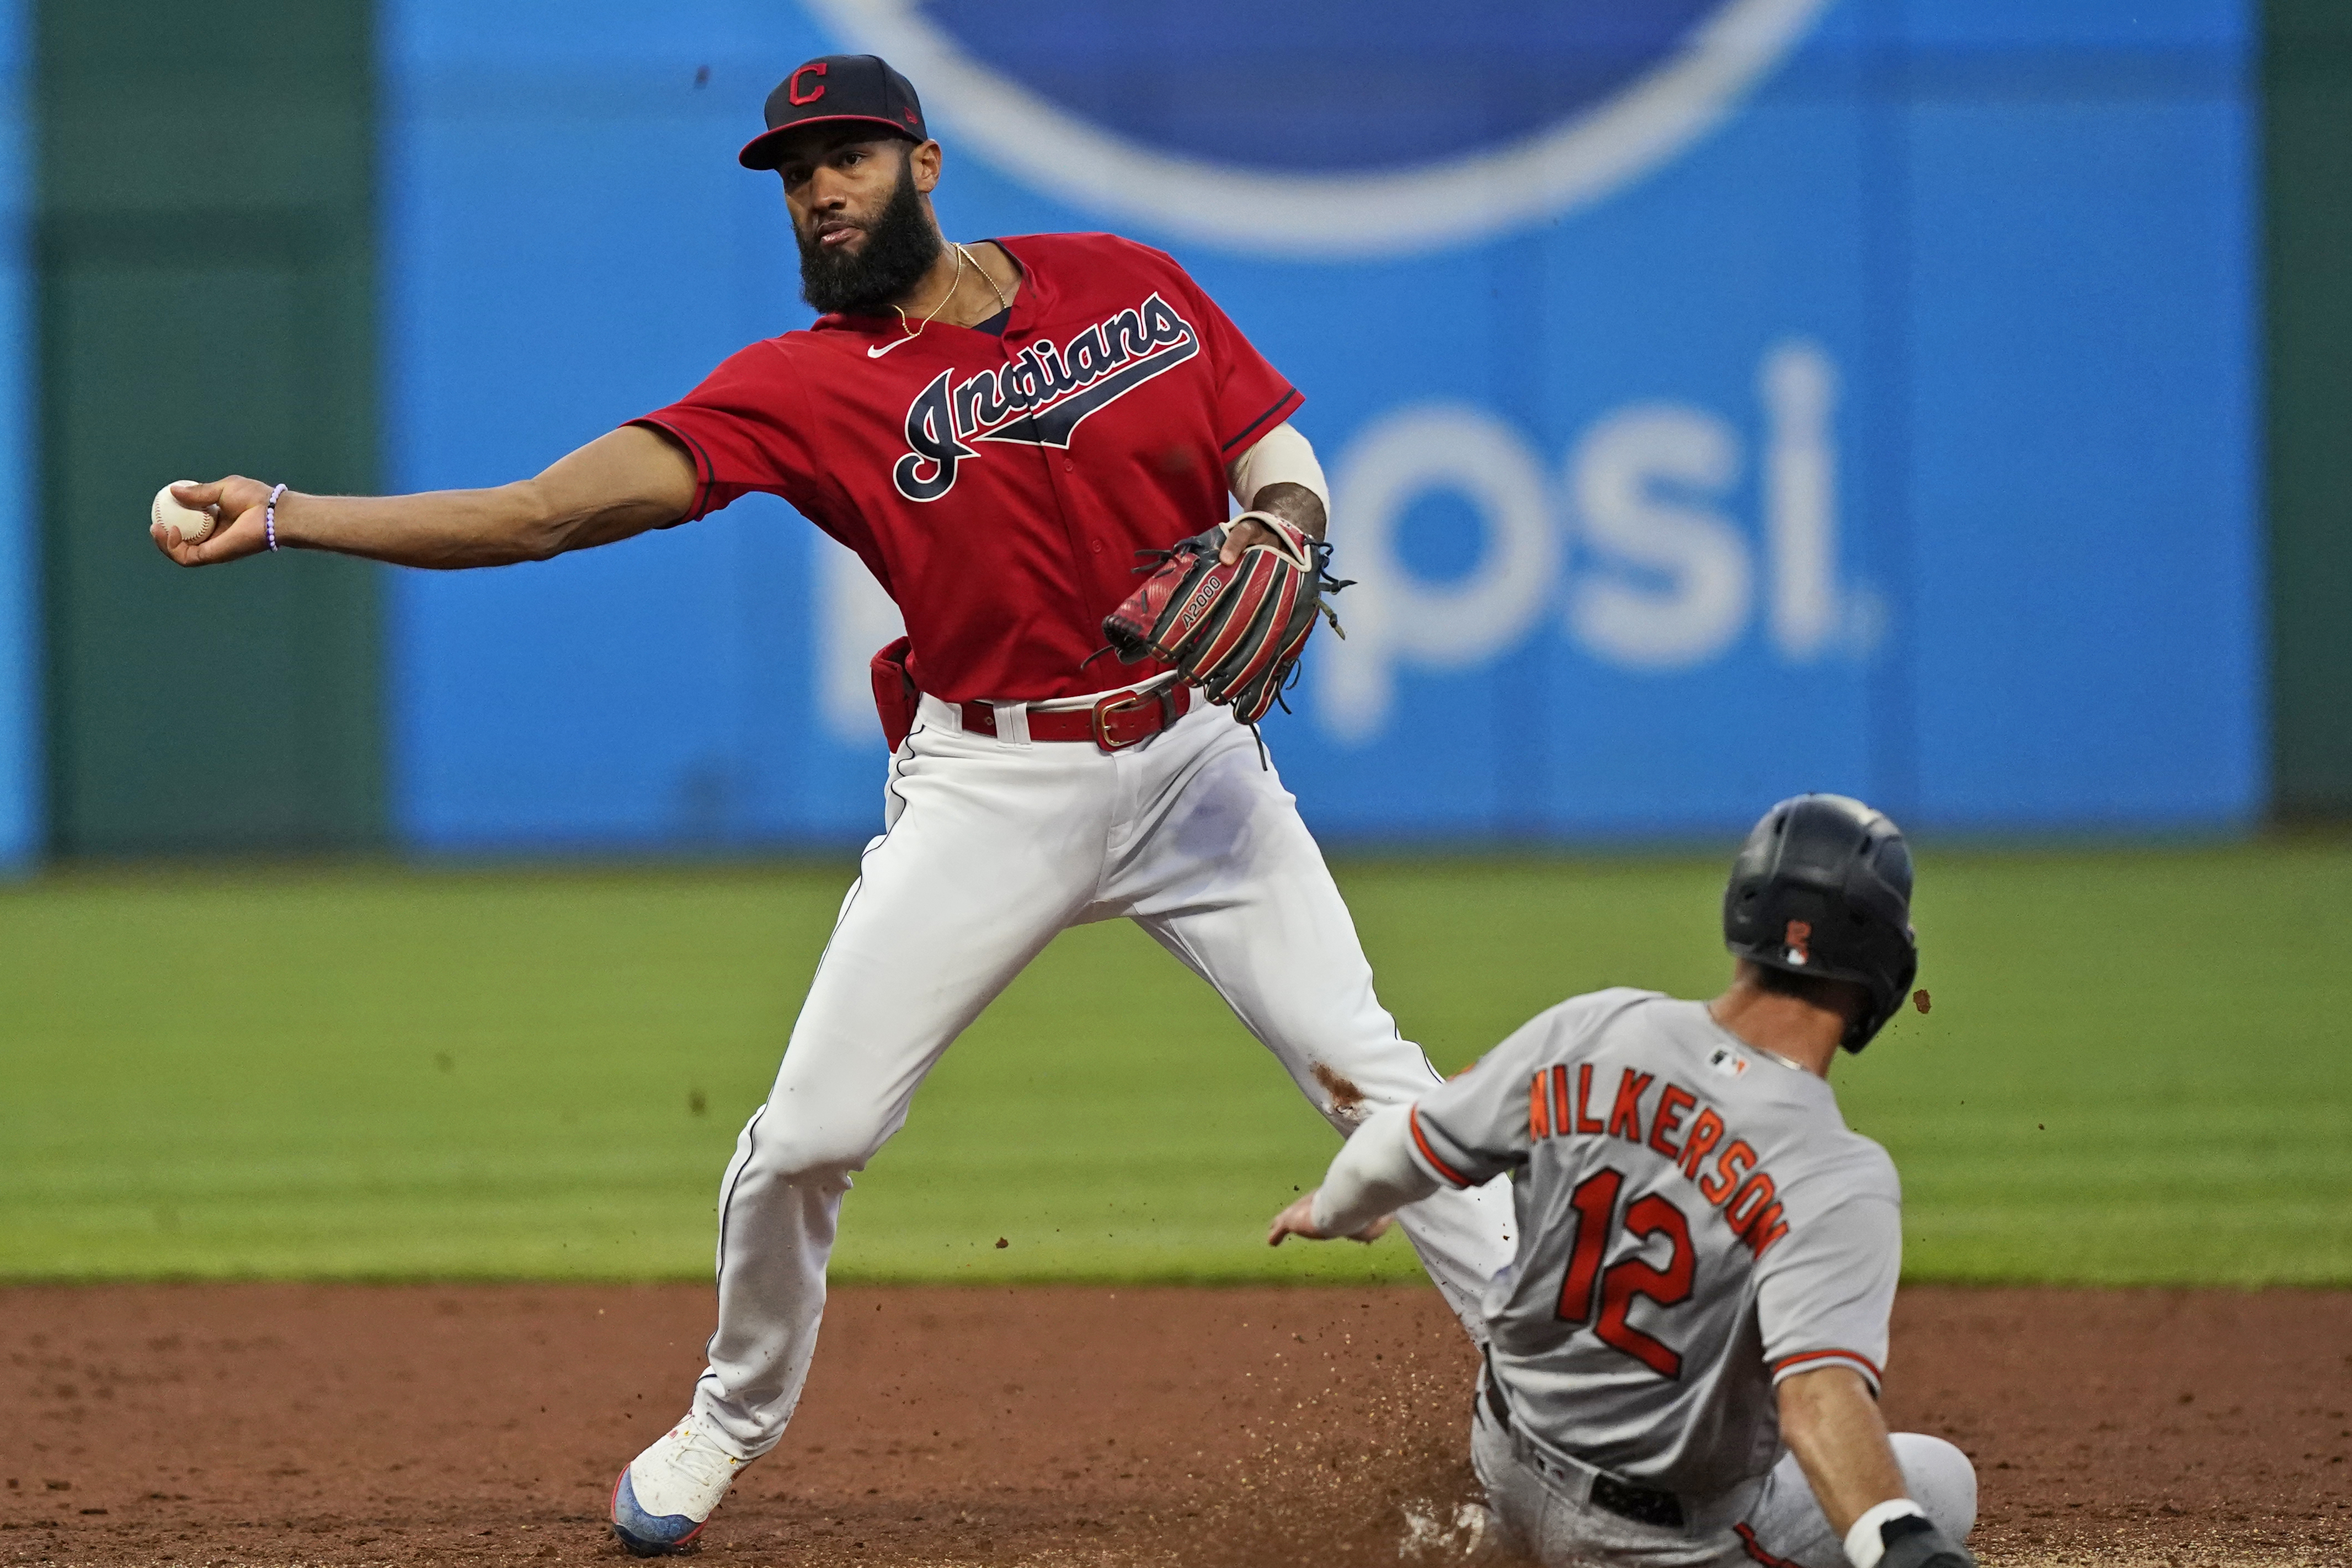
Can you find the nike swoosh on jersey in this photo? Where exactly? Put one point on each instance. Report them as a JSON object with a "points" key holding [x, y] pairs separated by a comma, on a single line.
{"points": [[894, 342]]}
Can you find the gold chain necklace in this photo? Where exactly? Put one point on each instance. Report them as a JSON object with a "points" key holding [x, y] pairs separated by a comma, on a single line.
{"points": [[962, 255], [1001, 302]]}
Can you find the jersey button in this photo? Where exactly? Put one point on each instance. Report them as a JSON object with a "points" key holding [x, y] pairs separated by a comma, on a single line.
{"points": [[1070, 464], [1099, 547]]}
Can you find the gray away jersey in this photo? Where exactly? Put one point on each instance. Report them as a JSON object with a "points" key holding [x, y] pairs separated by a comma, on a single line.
{"points": [[1696, 1223]]}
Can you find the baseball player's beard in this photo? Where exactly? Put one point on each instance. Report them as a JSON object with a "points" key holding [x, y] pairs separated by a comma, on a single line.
{"points": [[899, 248]]}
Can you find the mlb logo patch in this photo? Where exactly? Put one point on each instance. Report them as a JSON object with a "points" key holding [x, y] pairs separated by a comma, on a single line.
{"points": [[1727, 1062]]}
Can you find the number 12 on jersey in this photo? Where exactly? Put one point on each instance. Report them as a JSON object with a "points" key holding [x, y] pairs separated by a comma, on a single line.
{"points": [[1593, 1296]]}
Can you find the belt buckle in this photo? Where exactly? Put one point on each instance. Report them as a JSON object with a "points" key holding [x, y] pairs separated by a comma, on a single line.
{"points": [[1119, 702]]}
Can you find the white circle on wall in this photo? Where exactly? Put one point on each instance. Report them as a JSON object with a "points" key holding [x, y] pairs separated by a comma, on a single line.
{"points": [[1465, 197]]}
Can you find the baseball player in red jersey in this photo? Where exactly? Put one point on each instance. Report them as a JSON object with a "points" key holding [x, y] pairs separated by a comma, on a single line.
{"points": [[998, 429]]}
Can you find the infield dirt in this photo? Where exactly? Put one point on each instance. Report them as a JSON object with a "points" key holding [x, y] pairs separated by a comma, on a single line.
{"points": [[280, 1424]]}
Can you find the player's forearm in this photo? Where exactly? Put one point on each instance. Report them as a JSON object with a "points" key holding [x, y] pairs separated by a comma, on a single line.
{"points": [[441, 528], [1832, 1424], [620, 484], [1294, 504], [1280, 473], [1373, 1175]]}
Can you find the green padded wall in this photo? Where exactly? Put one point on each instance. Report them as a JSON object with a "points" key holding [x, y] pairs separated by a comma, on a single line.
{"points": [[205, 254], [2307, 72]]}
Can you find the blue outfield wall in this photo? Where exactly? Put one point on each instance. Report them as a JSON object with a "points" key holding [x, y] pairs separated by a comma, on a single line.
{"points": [[1723, 397], [21, 833]]}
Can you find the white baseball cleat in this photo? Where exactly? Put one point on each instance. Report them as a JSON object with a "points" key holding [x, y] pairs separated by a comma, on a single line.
{"points": [[666, 1494]]}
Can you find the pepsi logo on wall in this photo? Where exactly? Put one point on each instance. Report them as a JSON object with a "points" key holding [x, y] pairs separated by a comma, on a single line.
{"points": [[1720, 398], [1345, 127]]}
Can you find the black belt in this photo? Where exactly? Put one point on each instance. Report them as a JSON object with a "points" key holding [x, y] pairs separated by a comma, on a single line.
{"points": [[1626, 1500]]}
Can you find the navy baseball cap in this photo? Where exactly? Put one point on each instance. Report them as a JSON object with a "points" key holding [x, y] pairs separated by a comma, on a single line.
{"points": [[834, 88]]}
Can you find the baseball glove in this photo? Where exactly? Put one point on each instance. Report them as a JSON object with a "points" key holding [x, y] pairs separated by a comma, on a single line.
{"points": [[1236, 631]]}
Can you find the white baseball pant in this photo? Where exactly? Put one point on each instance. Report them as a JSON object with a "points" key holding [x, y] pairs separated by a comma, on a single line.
{"points": [[992, 844], [1775, 1520]]}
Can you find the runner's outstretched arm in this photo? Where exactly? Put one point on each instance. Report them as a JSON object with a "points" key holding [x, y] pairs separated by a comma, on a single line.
{"points": [[1372, 1177], [620, 484]]}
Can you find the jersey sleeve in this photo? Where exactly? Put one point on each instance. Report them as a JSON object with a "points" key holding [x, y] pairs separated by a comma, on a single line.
{"points": [[1252, 398], [1475, 1127], [1825, 1292], [745, 428]]}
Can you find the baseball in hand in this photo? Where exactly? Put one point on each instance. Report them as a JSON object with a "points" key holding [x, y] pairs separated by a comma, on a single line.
{"points": [[194, 527]]}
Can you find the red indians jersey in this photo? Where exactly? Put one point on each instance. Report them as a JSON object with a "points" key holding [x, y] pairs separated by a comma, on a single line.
{"points": [[999, 487]]}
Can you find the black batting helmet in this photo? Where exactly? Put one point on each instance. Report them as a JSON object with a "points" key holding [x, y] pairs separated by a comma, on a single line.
{"points": [[1823, 886]]}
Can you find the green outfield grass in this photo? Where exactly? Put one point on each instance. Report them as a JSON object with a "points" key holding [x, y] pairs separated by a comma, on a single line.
{"points": [[2136, 1071]]}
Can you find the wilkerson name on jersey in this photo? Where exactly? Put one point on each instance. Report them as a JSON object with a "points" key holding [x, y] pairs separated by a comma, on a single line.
{"points": [[1696, 1222]]}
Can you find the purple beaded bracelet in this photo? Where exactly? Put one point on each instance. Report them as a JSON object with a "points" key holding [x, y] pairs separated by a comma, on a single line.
{"points": [[269, 517]]}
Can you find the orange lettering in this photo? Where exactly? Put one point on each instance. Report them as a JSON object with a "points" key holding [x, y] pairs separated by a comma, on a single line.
{"points": [[1559, 1102], [1705, 1134], [1538, 1112], [1728, 1169], [1585, 1120], [1757, 1187], [1669, 1120], [1766, 1229], [1625, 1116]]}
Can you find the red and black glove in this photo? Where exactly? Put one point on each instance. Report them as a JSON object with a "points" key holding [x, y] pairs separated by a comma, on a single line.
{"points": [[1235, 631]]}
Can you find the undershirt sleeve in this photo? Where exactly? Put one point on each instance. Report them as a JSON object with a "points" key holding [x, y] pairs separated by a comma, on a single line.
{"points": [[1374, 1174], [745, 428]]}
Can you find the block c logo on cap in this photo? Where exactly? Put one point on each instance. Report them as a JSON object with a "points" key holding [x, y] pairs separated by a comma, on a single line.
{"points": [[792, 92]]}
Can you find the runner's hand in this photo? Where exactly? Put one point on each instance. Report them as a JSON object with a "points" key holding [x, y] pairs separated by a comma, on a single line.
{"points": [[1298, 1220]]}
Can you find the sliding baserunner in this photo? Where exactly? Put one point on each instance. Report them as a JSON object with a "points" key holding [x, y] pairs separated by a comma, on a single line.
{"points": [[1684, 1360]]}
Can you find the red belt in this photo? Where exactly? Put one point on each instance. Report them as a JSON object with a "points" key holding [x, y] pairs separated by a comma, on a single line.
{"points": [[1117, 721]]}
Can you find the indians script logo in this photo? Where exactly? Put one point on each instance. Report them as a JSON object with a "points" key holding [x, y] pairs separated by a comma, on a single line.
{"points": [[1038, 398], [1330, 128]]}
